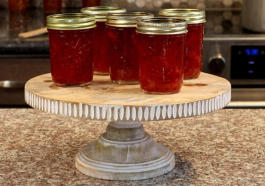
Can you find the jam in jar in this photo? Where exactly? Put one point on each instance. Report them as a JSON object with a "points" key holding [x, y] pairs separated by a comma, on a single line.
{"points": [[71, 42], [88, 3], [101, 56], [161, 48], [194, 43], [124, 66]]}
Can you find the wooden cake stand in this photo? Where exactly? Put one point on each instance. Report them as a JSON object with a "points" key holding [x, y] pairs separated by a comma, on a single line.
{"points": [[125, 151]]}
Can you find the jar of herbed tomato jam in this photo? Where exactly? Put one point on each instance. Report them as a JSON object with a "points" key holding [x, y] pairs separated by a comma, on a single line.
{"points": [[194, 44], [124, 66], [101, 58], [160, 47], [71, 42]]}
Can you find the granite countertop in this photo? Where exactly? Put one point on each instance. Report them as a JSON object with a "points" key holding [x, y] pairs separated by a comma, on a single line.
{"points": [[13, 23], [226, 147]]}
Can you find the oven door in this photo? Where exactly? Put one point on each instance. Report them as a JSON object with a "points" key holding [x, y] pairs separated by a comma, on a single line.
{"points": [[16, 70], [240, 60], [247, 98]]}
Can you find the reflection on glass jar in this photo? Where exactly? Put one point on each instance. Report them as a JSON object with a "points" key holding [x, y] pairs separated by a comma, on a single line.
{"points": [[124, 66], [52, 6], [17, 5], [194, 44], [71, 42], [101, 58], [160, 48], [17, 23]]}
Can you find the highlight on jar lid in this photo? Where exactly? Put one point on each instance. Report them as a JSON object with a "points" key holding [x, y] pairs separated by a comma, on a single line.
{"points": [[162, 26], [127, 19], [100, 12], [192, 16], [70, 21]]}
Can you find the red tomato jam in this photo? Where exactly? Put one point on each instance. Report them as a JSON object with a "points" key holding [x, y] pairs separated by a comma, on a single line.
{"points": [[194, 51], [88, 3], [71, 55], [101, 58], [124, 66], [161, 62]]}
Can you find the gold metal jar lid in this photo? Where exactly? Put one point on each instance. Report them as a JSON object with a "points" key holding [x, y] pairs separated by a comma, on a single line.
{"points": [[162, 26], [70, 21], [127, 19], [192, 16], [101, 12]]}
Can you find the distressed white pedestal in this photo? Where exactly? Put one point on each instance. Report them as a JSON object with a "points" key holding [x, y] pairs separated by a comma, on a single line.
{"points": [[125, 151]]}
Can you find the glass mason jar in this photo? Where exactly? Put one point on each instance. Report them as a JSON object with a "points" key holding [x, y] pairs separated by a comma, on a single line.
{"points": [[124, 66], [71, 42], [161, 47], [101, 57], [194, 43]]}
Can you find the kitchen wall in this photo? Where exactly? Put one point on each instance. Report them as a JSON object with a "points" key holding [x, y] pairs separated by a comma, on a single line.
{"points": [[147, 4]]}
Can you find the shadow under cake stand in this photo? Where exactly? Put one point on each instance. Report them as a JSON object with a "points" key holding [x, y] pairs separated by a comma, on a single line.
{"points": [[125, 151]]}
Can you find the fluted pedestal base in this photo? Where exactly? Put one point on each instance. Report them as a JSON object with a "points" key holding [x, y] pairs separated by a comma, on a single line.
{"points": [[125, 152]]}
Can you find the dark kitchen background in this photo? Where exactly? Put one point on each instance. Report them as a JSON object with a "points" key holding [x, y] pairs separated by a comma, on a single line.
{"points": [[215, 23], [147, 4]]}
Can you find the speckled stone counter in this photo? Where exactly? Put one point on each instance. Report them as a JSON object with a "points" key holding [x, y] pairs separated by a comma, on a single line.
{"points": [[13, 23], [226, 147]]}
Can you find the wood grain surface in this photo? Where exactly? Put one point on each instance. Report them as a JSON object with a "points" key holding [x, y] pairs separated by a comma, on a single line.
{"points": [[104, 100], [103, 92]]}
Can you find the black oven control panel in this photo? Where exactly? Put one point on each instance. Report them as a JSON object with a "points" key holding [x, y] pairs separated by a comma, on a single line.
{"points": [[247, 62]]}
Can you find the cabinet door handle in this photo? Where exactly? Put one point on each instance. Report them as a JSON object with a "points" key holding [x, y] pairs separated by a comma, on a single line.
{"points": [[12, 84]]}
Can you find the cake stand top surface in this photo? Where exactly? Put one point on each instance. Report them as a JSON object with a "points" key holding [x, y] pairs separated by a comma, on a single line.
{"points": [[104, 100]]}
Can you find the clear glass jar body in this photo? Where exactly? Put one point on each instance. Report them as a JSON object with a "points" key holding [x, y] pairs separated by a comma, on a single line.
{"points": [[124, 66], [194, 51], [101, 56], [52, 6], [71, 56], [161, 60], [17, 5]]}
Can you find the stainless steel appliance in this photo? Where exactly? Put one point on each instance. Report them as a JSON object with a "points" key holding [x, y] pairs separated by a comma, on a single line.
{"points": [[237, 55], [16, 70], [253, 15]]}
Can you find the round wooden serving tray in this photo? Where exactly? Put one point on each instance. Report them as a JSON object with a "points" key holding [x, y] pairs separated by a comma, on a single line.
{"points": [[103, 100], [125, 151]]}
